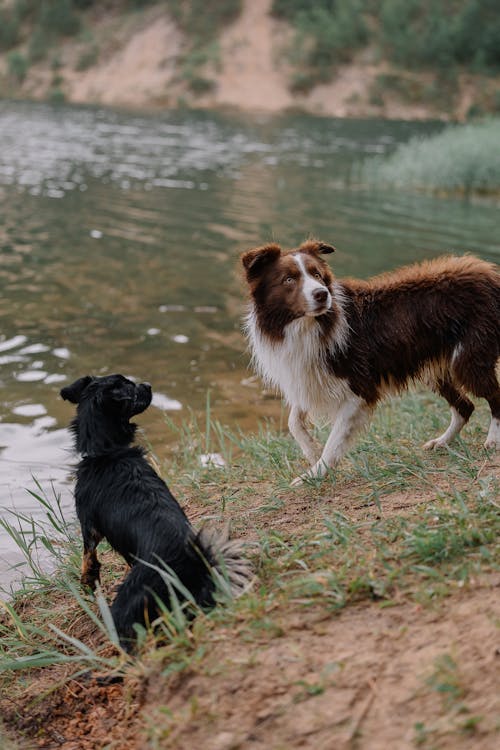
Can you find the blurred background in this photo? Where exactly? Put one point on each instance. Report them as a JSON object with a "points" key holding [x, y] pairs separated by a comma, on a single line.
{"points": [[145, 145]]}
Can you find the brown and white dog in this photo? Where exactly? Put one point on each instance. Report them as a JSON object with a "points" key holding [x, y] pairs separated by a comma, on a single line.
{"points": [[336, 348]]}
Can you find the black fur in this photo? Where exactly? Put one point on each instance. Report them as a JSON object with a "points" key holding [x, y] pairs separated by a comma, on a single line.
{"points": [[121, 498]]}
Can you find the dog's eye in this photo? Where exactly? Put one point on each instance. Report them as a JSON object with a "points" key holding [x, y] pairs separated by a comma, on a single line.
{"points": [[318, 276], [289, 281]]}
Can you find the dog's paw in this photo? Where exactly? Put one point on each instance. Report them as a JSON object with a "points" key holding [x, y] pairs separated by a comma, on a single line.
{"points": [[316, 473], [434, 444], [492, 444], [307, 478], [89, 582]]}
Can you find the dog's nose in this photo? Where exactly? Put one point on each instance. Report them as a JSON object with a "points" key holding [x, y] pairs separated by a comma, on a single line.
{"points": [[320, 295]]}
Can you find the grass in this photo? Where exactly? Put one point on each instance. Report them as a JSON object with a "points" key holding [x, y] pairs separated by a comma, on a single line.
{"points": [[450, 686], [446, 680], [46, 639], [462, 159], [203, 19], [88, 57], [411, 88], [413, 34], [391, 526], [17, 66], [419, 557], [203, 56], [414, 37], [425, 33], [327, 34]]}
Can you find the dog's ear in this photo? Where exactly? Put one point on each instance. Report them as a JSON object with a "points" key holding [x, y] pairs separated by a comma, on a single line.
{"points": [[314, 247], [255, 260], [74, 391]]}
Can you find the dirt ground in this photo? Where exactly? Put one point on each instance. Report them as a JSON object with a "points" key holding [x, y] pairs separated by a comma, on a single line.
{"points": [[355, 680], [372, 676], [330, 682]]}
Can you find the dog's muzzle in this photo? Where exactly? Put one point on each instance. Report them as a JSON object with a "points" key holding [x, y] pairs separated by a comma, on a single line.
{"points": [[143, 395], [321, 301]]}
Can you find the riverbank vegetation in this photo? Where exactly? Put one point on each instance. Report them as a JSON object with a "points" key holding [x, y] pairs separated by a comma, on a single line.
{"points": [[373, 620], [410, 33], [442, 56], [462, 159], [443, 37]]}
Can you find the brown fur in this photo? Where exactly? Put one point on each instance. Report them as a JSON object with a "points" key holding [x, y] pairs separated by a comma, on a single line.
{"points": [[437, 321], [439, 318], [273, 278]]}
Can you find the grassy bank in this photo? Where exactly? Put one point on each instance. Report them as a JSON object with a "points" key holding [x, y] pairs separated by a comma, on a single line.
{"points": [[462, 159], [372, 623]]}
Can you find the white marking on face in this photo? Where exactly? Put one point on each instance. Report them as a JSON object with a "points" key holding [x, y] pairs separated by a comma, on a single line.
{"points": [[309, 286]]}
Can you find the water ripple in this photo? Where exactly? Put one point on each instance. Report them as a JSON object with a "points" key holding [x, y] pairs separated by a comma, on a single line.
{"points": [[46, 153]]}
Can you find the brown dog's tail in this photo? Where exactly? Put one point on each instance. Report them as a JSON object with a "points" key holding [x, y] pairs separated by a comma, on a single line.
{"points": [[231, 568]]}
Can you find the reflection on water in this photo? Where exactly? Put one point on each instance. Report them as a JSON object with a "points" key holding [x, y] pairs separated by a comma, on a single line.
{"points": [[119, 242]]}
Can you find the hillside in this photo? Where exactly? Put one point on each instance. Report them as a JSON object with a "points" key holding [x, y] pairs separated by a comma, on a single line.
{"points": [[258, 55]]}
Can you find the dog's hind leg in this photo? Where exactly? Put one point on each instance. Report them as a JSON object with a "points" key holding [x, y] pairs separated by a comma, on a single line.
{"points": [[490, 390], [461, 409], [493, 440], [90, 564], [135, 602], [476, 369], [297, 426]]}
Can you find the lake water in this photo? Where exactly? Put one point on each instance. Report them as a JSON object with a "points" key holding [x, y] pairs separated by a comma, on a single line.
{"points": [[119, 243]]}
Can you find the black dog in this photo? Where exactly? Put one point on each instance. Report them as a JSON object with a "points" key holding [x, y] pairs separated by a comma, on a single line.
{"points": [[121, 498]]}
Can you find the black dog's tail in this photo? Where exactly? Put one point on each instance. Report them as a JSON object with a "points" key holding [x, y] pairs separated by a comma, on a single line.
{"points": [[210, 561], [227, 559]]}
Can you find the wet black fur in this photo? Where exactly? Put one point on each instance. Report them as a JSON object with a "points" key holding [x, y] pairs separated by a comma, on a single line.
{"points": [[120, 497]]}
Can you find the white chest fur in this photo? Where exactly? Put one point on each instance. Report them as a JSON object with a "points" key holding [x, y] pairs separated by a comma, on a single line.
{"points": [[297, 365]]}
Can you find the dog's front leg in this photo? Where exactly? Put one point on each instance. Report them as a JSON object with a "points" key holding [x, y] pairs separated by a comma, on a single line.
{"points": [[90, 564], [352, 414], [297, 426]]}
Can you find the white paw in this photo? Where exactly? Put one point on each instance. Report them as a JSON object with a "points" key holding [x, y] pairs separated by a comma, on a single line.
{"points": [[318, 471], [493, 438], [431, 445], [492, 444]]}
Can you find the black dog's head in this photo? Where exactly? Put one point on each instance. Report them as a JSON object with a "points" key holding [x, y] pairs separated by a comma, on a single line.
{"points": [[104, 408]]}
